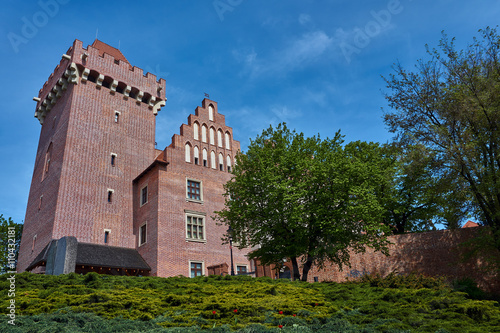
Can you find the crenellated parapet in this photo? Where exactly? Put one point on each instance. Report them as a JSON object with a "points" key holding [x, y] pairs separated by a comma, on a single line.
{"points": [[94, 65]]}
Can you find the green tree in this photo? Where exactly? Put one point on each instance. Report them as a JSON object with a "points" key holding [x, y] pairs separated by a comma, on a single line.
{"points": [[304, 199], [450, 104], [10, 239]]}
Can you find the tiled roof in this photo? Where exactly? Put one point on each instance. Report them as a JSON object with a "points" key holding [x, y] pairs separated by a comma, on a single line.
{"points": [[99, 255], [105, 48], [470, 224], [109, 256]]}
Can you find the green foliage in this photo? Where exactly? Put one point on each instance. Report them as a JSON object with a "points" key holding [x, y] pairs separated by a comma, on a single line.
{"points": [[10, 239], [292, 196], [450, 105], [99, 303]]}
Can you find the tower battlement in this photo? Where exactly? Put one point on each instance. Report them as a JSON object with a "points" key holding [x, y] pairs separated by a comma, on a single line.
{"points": [[96, 65]]}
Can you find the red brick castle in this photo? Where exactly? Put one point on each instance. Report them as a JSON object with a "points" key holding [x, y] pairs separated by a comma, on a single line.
{"points": [[102, 197]]}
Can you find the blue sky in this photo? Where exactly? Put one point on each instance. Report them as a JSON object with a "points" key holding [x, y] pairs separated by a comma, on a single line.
{"points": [[316, 65]]}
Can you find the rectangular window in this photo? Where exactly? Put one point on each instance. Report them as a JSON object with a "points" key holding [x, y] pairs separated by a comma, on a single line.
{"points": [[195, 227], [106, 236], [113, 159], [144, 195], [142, 234], [241, 270], [196, 269], [196, 161], [194, 190], [117, 116], [110, 196]]}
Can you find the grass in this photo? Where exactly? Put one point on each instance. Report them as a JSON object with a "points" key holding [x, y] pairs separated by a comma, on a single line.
{"points": [[100, 303]]}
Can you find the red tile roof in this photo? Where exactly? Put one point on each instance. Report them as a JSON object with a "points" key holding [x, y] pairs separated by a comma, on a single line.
{"points": [[105, 48], [470, 224]]}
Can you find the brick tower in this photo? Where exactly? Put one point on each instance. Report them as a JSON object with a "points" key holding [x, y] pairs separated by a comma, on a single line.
{"points": [[98, 134]]}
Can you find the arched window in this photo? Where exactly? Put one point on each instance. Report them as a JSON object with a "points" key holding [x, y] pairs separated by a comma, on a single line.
{"points": [[211, 113], [195, 131], [205, 157], [219, 138], [221, 162], [204, 133], [212, 136], [196, 155], [212, 160], [228, 146], [188, 152], [228, 163]]}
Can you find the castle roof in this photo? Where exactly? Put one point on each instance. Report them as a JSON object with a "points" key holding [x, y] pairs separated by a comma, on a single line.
{"points": [[471, 224], [105, 48], [98, 255]]}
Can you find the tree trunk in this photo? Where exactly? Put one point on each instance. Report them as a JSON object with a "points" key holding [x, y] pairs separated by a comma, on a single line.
{"points": [[295, 266], [307, 267]]}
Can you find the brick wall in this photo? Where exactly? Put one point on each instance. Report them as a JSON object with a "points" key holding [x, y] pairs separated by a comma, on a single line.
{"points": [[82, 129], [174, 250], [434, 253]]}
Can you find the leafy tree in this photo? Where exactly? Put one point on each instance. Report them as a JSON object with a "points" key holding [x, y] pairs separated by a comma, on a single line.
{"points": [[303, 198], [450, 104], [10, 233]]}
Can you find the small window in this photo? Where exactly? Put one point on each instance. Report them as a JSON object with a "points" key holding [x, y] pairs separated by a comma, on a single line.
{"points": [[205, 157], [196, 269], [212, 136], [142, 234], [117, 116], [241, 270], [113, 159], [144, 195], [33, 243], [228, 162], [211, 113], [204, 133], [195, 131], [195, 227], [40, 202], [219, 138], [48, 157], [110, 196], [106, 236], [188, 153], [194, 190], [213, 162], [221, 162], [196, 155]]}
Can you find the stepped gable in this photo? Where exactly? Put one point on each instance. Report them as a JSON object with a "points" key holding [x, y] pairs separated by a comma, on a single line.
{"points": [[201, 117]]}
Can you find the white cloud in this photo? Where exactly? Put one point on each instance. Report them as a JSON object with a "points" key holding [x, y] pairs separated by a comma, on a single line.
{"points": [[296, 54], [304, 19]]}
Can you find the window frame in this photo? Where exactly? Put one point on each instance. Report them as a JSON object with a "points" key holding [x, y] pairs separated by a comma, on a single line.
{"points": [[242, 265], [188, 198], [107, 235], [141, 233], [197, 215], [142, 202], [113, 159], [110, 195], [202, 270]]}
